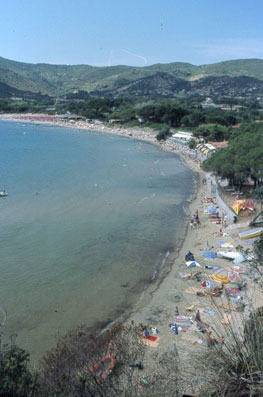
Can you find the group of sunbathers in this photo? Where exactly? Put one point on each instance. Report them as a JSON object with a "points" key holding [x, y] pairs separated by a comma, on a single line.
{"points": [[195, 219]]}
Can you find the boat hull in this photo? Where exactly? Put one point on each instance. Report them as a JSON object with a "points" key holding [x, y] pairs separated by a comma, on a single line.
{"points": [[251, 233]]}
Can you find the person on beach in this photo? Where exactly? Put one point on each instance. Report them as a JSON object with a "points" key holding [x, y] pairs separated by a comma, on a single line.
{"points": [[220, 233], [146, 333], [197, 316], [210, 341], [175, 329], [154, 331]]}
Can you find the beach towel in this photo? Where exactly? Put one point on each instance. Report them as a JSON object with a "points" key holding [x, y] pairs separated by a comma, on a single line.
{"points": [[183, 321], [152, 338], [229, 307], [219, 270], [209, 312], [226, 319], [192, 290], [149, 343]]}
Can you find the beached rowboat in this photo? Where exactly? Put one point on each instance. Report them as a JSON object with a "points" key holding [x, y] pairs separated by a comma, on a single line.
{"points": [[251, 233]]}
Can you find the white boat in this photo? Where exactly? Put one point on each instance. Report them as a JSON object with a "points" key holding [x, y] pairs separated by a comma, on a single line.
{"points": [[3, 193], [228, 255], [251, 233], [237, 257]]}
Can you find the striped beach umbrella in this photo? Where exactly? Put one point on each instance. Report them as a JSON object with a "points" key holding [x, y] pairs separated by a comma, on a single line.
{"points": [[220, 278], [235, 278]]}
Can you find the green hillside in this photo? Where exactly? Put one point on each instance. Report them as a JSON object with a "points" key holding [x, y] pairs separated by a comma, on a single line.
{"points": [[57, 80], [240, 67]]}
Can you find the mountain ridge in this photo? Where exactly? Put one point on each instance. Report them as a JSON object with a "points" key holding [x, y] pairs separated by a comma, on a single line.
{"points": [[59, 80]]}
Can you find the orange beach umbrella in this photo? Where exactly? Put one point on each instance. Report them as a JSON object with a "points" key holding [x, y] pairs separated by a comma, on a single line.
{"points": [[221, 278]]}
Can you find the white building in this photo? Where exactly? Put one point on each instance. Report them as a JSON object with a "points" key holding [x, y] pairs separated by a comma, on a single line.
{"points": [[182, 137]]}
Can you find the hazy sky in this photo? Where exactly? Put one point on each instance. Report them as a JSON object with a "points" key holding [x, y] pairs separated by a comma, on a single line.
{"points": [[131, 32]]}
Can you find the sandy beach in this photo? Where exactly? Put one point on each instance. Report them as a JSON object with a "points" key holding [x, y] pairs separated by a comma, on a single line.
{"points": [[177, 289]]}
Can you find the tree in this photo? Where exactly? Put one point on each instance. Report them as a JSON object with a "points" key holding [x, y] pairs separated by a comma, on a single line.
{"points": [[192, 144], [212, 132], [163, 134], [194, 119], [15, 377], [242, 158]]}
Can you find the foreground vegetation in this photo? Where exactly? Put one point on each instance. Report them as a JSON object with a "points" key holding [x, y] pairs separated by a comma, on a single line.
{"points": [[76, 367], [71, 368]]}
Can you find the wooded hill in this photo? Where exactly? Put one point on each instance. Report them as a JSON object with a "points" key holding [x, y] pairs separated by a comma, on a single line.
{"points": [[235, 78]]}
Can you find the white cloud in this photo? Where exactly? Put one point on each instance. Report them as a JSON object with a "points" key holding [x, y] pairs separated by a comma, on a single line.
{"points": [[120, 56]]}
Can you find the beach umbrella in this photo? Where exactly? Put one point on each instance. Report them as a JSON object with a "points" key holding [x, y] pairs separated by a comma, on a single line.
{"points": [[220, 278], [211, 209], [210, 255], [236, 269], [232, 292], [235, 278], [236, 206], [193, 264]]}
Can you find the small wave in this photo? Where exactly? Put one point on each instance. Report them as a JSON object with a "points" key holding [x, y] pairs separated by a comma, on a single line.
{"points": [[156, 268], [108, 326], [160, 263], [164, 259], [143, 199], [185, 211]]}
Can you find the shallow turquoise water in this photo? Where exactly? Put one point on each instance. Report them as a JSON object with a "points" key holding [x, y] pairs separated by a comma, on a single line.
{"points": [[108, 211]]}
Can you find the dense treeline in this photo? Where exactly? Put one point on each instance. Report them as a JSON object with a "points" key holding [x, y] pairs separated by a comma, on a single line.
{"points": [[187, 112], [242, 158]]}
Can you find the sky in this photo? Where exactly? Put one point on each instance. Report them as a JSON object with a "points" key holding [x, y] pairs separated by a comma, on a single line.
{"points": [[130, 32]]}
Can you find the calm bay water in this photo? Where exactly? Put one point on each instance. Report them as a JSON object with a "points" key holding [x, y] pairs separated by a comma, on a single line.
{"points": [[108, 211]]}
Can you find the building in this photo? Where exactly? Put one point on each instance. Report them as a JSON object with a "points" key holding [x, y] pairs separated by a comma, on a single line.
{"points": [[182, 137]]}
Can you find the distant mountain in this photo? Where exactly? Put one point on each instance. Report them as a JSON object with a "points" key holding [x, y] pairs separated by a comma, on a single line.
{"points": [[229, 78], [6, 91]]}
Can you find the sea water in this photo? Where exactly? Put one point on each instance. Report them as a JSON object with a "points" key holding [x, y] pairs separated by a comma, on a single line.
{"points": [[89, 220]]}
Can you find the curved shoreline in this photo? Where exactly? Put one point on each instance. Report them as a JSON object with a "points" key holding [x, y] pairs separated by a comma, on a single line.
{"points": [[156, 308], [150, 286]]}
